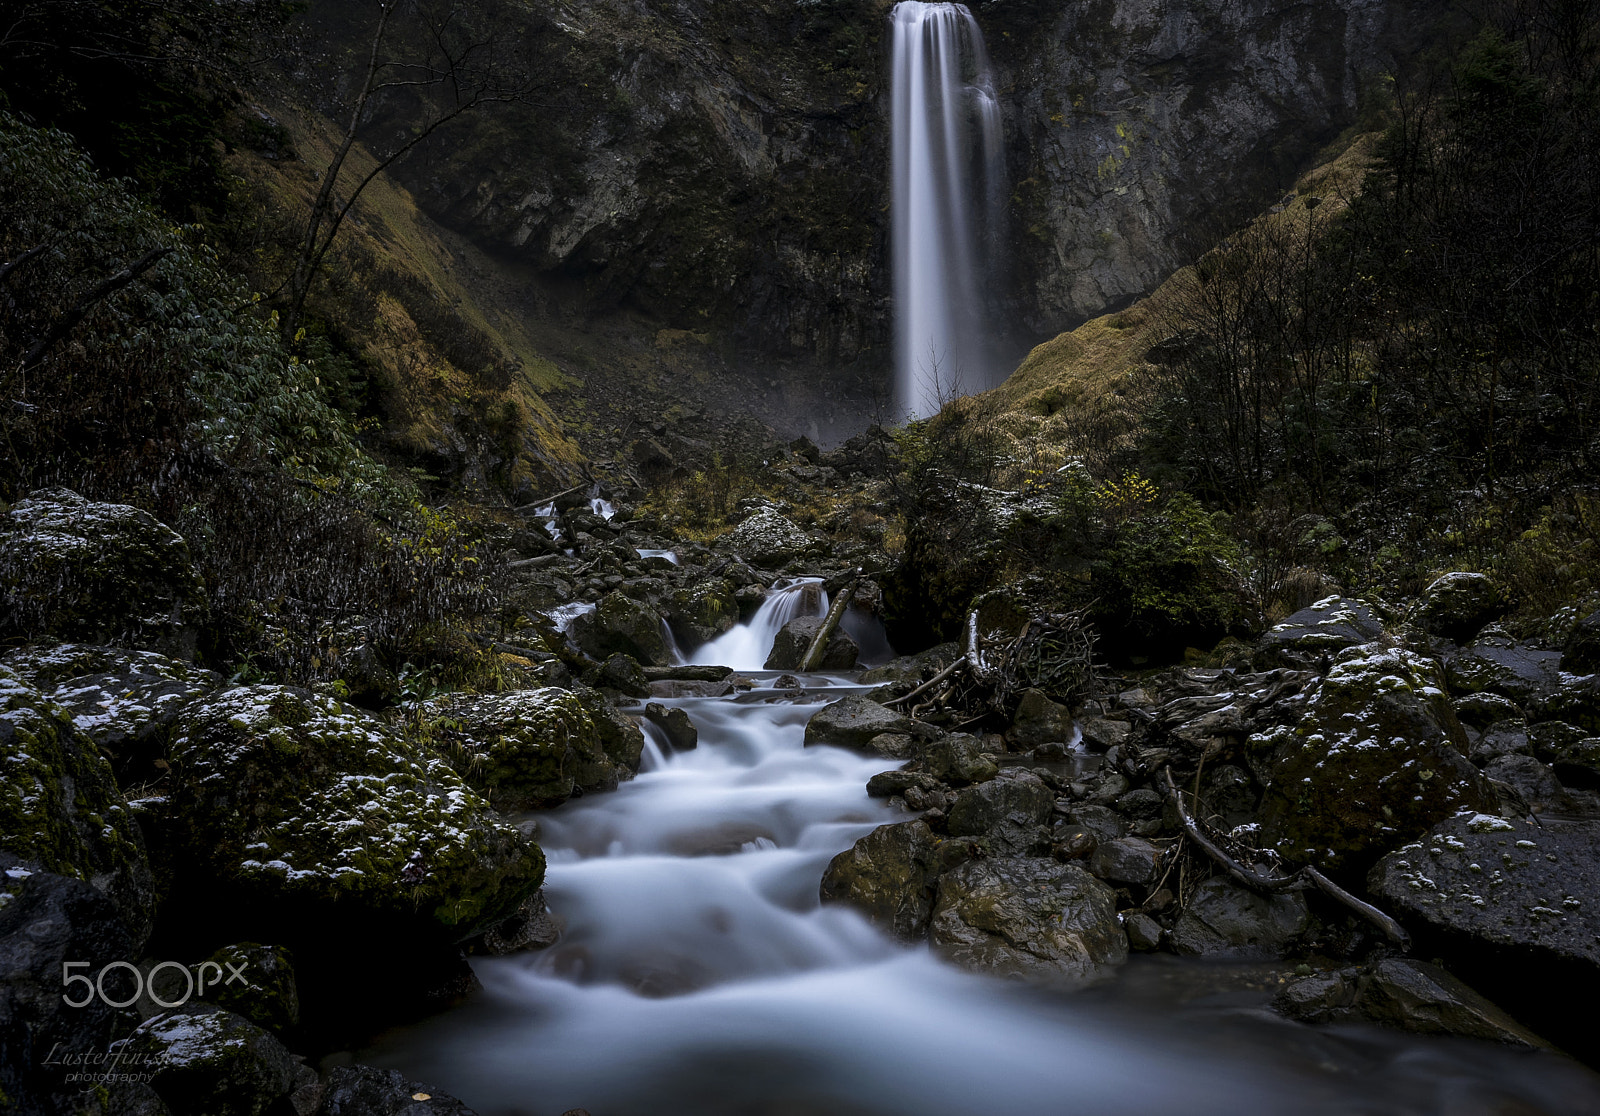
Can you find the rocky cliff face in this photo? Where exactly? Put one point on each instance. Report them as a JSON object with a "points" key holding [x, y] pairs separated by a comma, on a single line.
{"points": [[723, 166], [1137, 129]]}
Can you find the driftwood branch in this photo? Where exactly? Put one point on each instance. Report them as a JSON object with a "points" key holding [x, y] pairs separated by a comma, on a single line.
{"points": [[819, 642], [1391, 929], [930, 683], [1266, 885], [530, 509], [975, 660], [96, 294], [1255, 881]]}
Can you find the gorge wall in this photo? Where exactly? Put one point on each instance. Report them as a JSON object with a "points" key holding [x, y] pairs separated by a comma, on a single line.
{"points": [[723, 166]]}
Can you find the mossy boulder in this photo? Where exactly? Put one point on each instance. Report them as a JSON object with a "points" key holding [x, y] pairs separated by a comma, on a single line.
{"points": [[1318, 632], [699, 613], [619, 734], [301, 812], [1028, 918], [1457, 605], [60, 809], [1374, 757], [216, 1062], [890, 876], [101, 573], [258, 982], [528, 748], [127, 702], [1497, 664], [766, 539], [622, 626]]}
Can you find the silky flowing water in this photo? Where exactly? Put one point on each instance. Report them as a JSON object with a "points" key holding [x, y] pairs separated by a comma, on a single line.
{"points": [[698, 973]]}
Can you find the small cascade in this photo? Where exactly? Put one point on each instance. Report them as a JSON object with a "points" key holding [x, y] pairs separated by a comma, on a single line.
{"points": [[747, 646], [674, 652], [669, 555], [656, 747], [948, 187]]}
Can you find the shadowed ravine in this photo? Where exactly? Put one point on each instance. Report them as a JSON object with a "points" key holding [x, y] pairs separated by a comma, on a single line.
{"points": [[697, 973]]}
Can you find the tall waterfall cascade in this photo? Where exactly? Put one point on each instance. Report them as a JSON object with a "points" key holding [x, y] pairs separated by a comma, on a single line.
{"points": [[948, 186]]}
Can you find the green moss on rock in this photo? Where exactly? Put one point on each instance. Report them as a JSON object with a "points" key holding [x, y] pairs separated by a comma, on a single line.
{"points": [[60, 809], [104, 573], [284, 795], [1376, 759], [529, 748]]}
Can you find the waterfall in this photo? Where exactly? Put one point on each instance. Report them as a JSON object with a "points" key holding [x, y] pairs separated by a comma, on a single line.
{"points": [[947, 192], [746, 646]]}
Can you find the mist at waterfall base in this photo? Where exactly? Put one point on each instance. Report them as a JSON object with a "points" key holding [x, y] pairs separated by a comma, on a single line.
{"points": [[946, 206], [697, 973]]}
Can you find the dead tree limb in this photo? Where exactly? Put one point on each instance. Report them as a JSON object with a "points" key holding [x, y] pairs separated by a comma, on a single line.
{"points": [[1391, 929], [1267, 885], [91, 298], [11, 265], [819, 642]]}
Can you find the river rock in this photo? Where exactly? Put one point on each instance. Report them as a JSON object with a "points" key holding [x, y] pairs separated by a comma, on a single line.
{"points": [[368, 1091], [1223, 919], [766, 539], [46, 922], [622, 674], [1502, 884], [1423, 998], [1008, 813], [620, 736], [1314, 634], [1575, 701], [701, 612], [1580, 654], [1104, 732], [794, 639], [1372, 756], [532, 927], [100, 573], [1035, 919], [913, 668], [216, 1062], [889, 876], [618, 624], [1039, 720], [852, 722], [313, 817], [1126, 860], [1457, 605], [1144, 932], [1497, 664], [675, 722], [959, 759], [1503, 738], [1479, 711], [60, 809], [528, 748]]}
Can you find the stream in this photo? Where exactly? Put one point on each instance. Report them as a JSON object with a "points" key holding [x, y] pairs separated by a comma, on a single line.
{"points": [[697, 973]]}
